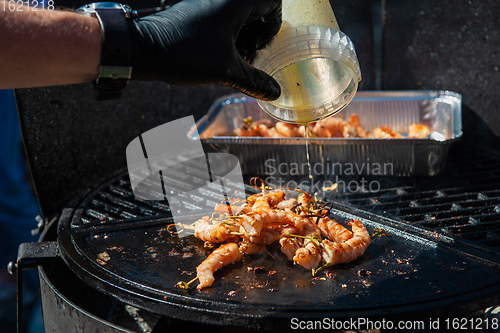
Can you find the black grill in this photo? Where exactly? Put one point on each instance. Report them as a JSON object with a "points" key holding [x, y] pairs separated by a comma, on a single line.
{"points": [[116, 202], [463, 203], [143, 260]]}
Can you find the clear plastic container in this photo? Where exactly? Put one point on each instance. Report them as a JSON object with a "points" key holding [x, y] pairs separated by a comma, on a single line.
{"points": [[312, 60]]}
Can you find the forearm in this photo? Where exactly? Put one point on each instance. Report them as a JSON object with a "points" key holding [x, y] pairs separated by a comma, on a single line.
{"points": [[47, 48]]}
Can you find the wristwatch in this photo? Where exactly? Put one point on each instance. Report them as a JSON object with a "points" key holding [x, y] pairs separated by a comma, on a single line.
{"points": [[115, 70]]}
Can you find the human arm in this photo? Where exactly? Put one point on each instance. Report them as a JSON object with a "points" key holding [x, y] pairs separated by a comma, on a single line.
{"points": [[45, 48], [194, 42]]}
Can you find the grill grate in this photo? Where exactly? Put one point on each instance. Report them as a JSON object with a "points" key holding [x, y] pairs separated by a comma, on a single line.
{"points": [[463, 203], [115, 202]]}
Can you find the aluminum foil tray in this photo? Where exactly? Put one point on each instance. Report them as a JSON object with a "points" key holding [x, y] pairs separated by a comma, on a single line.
{"points": [[440, 110]]}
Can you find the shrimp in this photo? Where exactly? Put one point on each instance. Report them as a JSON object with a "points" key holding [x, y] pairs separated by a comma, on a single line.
{"points": [[308, 256], [310, 230], [305, 251], [386, 132], [334, 127], [267, 201], [253, 128], [286, 204], [354, 121], [329, 228], [254, 222], [307, 202], [269, 123], [214, 231], [229, 207], [290, 130], [331, 127], [270, 235], [266, 236], [247, 247], [276, 196], [299, 225], [257, 244], [337, 253], [243, 131], [289, 246], [262, 130], [419, 131], [273, 133], [226, 254], [334, 230], [251, 199]]}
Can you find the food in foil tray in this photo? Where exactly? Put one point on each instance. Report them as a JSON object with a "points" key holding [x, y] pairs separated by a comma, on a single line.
{"points": [[428, 121], [332, 127]]}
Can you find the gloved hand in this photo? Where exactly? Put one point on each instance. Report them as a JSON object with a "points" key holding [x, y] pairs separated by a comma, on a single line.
{"points": [[207, 42]]}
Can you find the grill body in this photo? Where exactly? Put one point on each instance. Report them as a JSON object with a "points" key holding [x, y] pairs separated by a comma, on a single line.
{"points": [[68, 304], [62, 315]]}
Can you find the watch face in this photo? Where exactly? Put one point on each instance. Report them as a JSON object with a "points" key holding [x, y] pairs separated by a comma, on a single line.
{"points": [[90, 8], [107, 5]]}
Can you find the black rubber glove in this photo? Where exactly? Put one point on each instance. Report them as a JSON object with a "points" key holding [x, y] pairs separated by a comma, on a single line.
{"points": [[207, 42]]}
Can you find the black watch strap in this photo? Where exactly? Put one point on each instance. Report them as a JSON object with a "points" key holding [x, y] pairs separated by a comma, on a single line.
{"points": [[115, 70], [116, 60]]}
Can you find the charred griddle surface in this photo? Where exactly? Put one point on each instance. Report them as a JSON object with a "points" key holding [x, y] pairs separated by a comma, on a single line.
{"points": [[123, 247]]}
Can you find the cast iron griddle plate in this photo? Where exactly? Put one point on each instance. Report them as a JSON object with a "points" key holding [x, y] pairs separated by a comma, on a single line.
{"points": [[139, 262]]}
